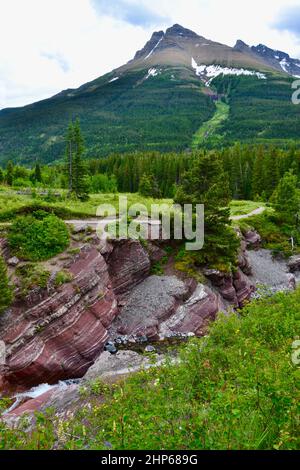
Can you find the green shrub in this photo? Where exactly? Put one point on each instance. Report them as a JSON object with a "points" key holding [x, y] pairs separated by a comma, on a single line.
{"points": [[30, 276], [39, 236], [6, 294], [62, 277]]}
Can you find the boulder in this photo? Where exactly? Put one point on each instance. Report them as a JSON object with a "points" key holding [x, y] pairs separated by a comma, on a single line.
{"points": [[253, 239], [13, 261], [122, 363], [156, 253], [294, 263], [81, 228], [4, 248]]}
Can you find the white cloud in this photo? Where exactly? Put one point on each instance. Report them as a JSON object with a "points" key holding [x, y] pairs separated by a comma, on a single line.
{"points": [[50, 45]]}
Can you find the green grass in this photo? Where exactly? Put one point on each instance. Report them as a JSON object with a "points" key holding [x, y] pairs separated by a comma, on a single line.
{"points": [[12, 204], [244, 207], [236, 389], [208, 130]]}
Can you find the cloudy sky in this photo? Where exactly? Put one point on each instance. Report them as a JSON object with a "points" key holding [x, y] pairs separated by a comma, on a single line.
{"points": [[50, 45]]}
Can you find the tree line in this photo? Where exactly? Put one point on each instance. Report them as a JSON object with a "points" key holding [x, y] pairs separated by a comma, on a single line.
{"points": [[253, 171]]}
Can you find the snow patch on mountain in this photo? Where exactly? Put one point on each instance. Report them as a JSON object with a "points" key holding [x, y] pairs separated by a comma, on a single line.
{"points": [[284, 65], [212, 71], [152, 73], [113, 79], [155, 47]]}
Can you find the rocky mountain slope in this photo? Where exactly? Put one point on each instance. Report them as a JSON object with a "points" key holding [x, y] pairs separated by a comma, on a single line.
{"points": [[160, 99], [278, 60]]}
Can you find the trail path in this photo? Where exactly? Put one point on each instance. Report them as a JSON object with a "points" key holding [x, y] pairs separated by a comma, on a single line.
{"points": [[95, 222], [257, 211]]}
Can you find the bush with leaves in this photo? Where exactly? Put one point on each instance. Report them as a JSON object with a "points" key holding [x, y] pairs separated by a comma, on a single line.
{"points": [[38, 237]]}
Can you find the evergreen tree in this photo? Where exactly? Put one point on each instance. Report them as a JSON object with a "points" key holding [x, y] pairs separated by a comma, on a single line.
{"points": [[70, 156], [1, 176], [206, 183], [38, 173], [286, 200], [76, 170], [9, 174], [79, 167], [258, 177], [148, 187], [271, 173], [5, 290]]}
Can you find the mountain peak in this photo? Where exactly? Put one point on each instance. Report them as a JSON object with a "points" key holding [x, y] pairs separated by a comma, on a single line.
{"points": [[156, 37], [178, 30], [241, 46], [267, 51]]}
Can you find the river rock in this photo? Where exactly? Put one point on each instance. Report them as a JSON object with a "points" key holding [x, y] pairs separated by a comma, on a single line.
{"points": [[122, 363], [111, 348]]}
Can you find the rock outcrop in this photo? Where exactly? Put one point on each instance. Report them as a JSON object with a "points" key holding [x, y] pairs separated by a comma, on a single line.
{"points": [[49, 337], [253, 239], [194, 315], [128, 265], [294, 263], [235, 288]]}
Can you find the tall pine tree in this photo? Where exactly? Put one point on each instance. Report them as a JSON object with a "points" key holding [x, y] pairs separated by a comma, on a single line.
{"points": [[9, 173], [76, 169], [38, 173], [286, 199]]}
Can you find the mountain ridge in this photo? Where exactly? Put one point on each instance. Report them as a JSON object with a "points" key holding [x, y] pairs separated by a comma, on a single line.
{"points": [[160, 99]]}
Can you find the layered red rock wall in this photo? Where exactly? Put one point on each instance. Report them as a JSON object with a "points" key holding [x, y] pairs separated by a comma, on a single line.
{"points": [[60, 335]]}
